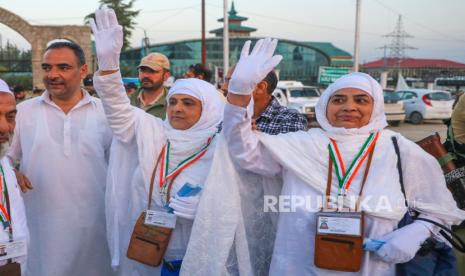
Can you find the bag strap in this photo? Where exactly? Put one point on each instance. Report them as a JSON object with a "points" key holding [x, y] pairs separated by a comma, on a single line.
{"points": [[445, 232], [367, 169], [152, 179], [399, 169], [459, 245]]}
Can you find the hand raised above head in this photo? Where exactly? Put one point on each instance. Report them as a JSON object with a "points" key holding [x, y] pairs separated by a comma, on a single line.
{"points": [[108, 35], [253, 67]]}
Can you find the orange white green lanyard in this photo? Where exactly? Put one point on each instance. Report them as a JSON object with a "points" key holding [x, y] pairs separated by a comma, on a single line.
{"points": [[164, 175], [4, 216], [345, 177]]}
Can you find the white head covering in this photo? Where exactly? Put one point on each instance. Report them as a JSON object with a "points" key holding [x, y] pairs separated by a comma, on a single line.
{"points": [[212, 105], [190, 140], [360, 81], [4, 87]]}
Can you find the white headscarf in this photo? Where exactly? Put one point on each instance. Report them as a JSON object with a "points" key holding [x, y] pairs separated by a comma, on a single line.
{"points": [[4, 87], [360, 81], [6, 145], [185, 142]]}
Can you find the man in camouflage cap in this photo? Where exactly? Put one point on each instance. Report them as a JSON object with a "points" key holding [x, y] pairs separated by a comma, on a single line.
{"points": [[154, 70]]}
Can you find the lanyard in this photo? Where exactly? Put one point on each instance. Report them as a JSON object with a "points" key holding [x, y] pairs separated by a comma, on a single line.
{"points": [[5, 211], [345, 177], [4, 214], [165, 156]]}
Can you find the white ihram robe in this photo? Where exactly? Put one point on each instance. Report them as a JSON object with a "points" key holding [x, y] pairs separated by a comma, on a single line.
{"points": [[138, 140], [302, 159]]}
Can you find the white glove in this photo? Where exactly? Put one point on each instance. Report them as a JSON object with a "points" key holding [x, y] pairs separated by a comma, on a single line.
{"points": [[184, 206], [252, 69], [108, 36], [402, 244]]}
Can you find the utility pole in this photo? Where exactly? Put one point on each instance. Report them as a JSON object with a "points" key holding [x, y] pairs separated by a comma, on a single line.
{"points": [[384, 48], [204, 47], [357, 36], [146, 42], [225, 38]]}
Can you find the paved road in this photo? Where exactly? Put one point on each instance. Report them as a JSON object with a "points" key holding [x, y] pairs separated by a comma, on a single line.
{"points": [[418, 132]]}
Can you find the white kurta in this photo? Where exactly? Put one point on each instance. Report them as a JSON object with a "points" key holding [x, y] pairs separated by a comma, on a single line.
{"points": [[18, 215], [302, 158], [65, 157], [139, 138]]}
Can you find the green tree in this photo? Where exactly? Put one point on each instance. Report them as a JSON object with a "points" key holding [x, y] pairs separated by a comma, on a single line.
{"points": [[125, 14], [13, 59]]}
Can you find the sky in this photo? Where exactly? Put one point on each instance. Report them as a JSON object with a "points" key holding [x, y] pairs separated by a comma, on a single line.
{"points": [[437, 26]]}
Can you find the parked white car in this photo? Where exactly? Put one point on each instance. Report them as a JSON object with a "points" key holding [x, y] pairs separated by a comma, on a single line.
{"points": [[425, 104], [393, 108], [293, 94]]}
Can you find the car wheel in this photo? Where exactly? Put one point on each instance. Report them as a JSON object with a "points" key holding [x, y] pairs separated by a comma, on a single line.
{"points": [[416, 118], [394, 123]]}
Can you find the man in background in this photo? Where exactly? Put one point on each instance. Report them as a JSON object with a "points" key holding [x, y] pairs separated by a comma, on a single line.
{"points": [[154, 70], [269, 116], [88, 82], [20, 94], [131, 88], [199, 71]]}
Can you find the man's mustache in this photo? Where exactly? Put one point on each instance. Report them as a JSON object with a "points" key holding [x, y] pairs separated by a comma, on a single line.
{"points": [[55, 82], [6, 135], [146, 79]]}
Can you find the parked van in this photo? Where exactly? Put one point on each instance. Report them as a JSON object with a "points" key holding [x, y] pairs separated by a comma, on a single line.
{"points": [[293, 94]]}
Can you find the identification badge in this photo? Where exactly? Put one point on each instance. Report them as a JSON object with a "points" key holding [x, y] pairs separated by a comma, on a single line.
{"points": [[340, 223], [159, 218], [13, 249], [339, 241]]}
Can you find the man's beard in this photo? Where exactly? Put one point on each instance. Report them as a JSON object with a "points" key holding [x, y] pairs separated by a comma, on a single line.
{"points": [[5, 146], [155, 85]]}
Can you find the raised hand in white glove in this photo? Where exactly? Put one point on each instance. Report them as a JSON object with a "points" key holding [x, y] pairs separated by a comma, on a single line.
{"points": [[184, 206], [253, 68], [402, 244], [108, 35]]}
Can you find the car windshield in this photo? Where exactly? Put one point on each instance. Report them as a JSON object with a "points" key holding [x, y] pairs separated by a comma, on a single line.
{"points": [[304, 92], [439, 96], [391, 96]]}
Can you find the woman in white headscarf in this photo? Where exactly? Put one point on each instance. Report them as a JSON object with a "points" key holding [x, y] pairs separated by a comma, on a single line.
{"points": [[186, 138], [351, 115]]}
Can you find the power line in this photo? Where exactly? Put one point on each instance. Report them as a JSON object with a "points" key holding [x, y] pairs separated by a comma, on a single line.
{"points": [[81, 17], [178, 12], [275, 18], [419, 24], [294, 21], [302, 23]]}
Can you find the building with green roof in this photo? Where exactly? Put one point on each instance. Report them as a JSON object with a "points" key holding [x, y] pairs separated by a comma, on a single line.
{"points": [[301, 60], [235, 25]]}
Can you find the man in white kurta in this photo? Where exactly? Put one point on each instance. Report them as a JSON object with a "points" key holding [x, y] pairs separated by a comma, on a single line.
{"points": [[62, 149], [17, 215]]}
